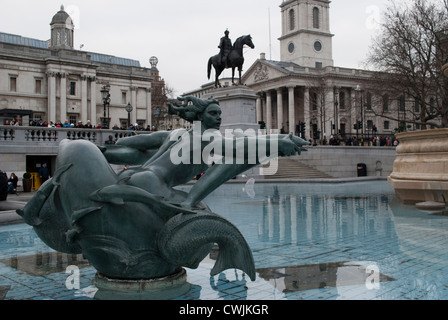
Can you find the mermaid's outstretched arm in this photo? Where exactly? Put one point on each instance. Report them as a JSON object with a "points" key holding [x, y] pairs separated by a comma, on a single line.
{"points": [[220, 173], [135, 150]]}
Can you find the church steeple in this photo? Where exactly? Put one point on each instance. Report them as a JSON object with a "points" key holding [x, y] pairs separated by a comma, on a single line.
{"points": [[306, 38], [62, 31]]}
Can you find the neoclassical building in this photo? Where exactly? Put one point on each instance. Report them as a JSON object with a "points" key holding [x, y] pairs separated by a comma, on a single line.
{"points": [[305, 93], [51, 80]]}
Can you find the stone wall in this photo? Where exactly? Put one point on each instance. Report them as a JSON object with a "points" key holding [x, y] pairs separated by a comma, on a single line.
{"points": [[341, 161]]}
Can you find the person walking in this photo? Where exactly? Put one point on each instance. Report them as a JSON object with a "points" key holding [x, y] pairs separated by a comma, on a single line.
{"points": [[43, 173]]}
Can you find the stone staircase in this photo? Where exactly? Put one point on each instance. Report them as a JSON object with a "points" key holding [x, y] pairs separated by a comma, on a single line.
{"points": [[292, 168]]}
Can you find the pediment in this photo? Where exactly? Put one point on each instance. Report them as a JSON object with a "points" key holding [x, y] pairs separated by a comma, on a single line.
{"points": [[262, 71]]}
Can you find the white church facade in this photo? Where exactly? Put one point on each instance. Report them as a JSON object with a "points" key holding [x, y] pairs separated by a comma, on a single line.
{"points": [[305, 93]]}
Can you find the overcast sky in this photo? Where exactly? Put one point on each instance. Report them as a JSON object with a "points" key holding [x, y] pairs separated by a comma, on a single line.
{"points": [[183, 34]]}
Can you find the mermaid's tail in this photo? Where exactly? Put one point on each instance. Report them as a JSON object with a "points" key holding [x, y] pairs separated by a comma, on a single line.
{"points": [[186, 239]]}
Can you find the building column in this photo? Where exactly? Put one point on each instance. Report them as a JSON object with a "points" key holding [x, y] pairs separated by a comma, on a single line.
{"points": [[134, 105], [258, 109], [307, 112], [93, 114], [63, 116], [279, 108], [291, 104], [148, 107], [268, 111], [51, 113], [336, 110], [84, 99], [329, 113]]}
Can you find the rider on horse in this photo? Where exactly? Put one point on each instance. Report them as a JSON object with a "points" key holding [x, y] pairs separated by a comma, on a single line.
{"points": [[226, 46]]}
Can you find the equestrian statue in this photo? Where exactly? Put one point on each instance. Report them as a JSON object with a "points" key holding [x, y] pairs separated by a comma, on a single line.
{"points": [[230, 56]]}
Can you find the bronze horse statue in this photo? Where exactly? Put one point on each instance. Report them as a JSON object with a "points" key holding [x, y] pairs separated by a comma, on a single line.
{"points": [[235, 60]]}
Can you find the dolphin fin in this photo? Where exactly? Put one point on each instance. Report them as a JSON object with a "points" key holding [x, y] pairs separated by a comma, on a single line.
{"points": [[79, 214]]}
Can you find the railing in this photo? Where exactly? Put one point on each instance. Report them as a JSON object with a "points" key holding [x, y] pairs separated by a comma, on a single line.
{"points": [[19, 135]]}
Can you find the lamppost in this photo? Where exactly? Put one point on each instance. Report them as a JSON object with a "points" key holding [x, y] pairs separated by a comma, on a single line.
{"points": [[106, 103], [129, 110]]}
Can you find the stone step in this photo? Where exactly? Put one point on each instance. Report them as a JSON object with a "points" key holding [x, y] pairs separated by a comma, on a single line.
{"points": [[293, 168]]}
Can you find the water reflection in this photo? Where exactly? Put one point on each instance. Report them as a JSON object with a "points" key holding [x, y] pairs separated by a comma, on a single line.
{"points": [[293, 218], [322, 275], [44, 263]]}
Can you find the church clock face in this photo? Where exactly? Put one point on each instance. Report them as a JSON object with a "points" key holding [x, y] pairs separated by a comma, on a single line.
{"points": [[291, 47], [317, 46]]}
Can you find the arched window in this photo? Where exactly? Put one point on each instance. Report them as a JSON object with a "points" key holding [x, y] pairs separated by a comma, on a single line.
{"points": [[316, 18], [292, 19]]}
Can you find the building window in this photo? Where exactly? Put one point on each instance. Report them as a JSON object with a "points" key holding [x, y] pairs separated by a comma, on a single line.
{"points": [[402, 103], [385, 103], [431, 105], [314, 101], [124, 97], [292, 19], [386, 125], [318, 65], [291, 47], [72, 91], [369, 124], [37, 117], [38, 86], [369, 101], [13, 84], [342, 100], [417, 105], [316, 22], [73, 119]]}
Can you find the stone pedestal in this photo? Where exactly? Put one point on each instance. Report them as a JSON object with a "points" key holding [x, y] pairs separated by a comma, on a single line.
{"points": [[152, 289], [238, 104], [421, 166]]}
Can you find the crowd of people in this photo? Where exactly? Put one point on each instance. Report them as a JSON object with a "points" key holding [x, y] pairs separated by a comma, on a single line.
{"points": [[379, 141], [79, 124]]}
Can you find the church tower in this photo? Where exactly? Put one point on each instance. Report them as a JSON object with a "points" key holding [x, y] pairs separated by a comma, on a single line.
{"points": [[62, 31], [306, 38]]}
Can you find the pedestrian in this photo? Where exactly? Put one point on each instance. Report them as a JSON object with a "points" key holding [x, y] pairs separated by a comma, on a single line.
{"points": [[13, 180], [43, 173]]}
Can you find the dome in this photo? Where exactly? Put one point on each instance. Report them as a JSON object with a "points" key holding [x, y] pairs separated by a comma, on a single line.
{"points": [[61, 17]]}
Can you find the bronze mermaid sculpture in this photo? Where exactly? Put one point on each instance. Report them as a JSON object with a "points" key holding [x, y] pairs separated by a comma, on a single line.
{"points": [[135, 224]]}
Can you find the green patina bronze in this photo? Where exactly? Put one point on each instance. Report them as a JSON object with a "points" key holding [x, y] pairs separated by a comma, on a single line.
{"points": [[135, 224]]}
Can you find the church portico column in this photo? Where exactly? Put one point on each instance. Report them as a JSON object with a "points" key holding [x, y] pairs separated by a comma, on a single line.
{"points": [[291, 109], [258, 108], [306, 111], [279, 108], [268, 111], [336, 110], [328, 117]]}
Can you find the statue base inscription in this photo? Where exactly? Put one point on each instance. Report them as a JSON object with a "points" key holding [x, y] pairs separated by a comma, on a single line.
{"points": [[164, 288]]}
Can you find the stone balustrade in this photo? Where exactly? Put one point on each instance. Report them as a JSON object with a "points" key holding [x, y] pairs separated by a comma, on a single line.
{"points": [[18, 135]]}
